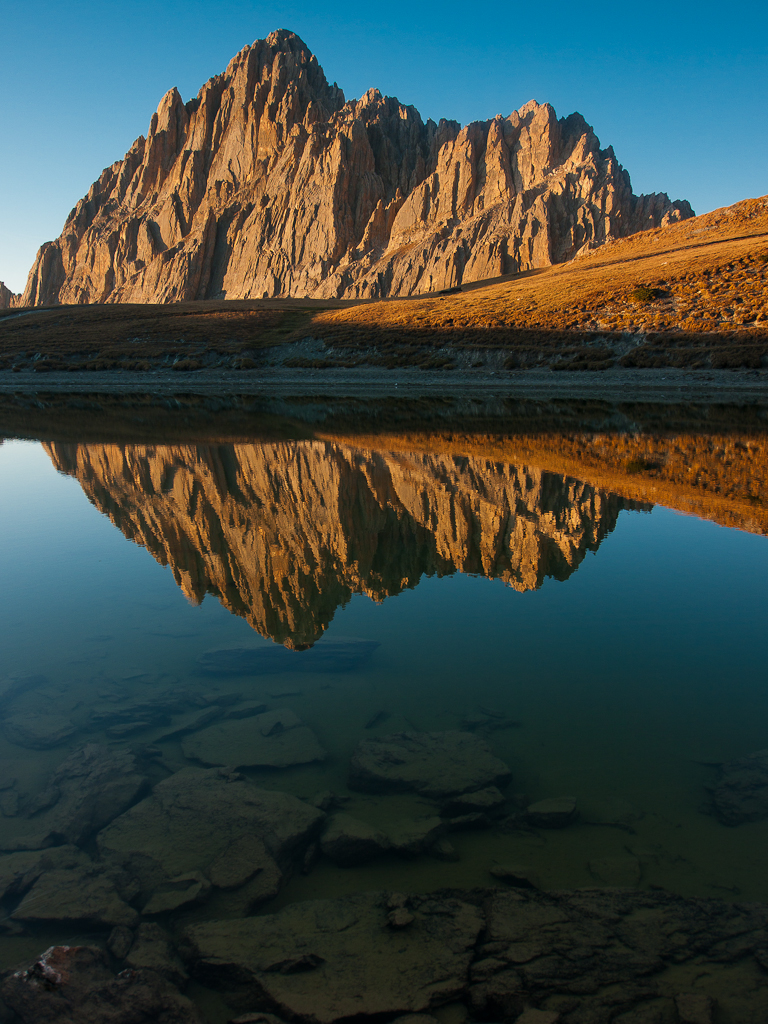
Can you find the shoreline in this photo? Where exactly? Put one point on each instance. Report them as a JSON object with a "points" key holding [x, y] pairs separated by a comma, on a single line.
{"points": [[658, 385]]}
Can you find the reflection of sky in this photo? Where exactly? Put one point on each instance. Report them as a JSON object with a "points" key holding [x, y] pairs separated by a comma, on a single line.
{"points": [[664, 624]]}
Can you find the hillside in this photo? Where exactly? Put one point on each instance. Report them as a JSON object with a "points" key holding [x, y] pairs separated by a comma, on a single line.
{"points": [[704, 305]]}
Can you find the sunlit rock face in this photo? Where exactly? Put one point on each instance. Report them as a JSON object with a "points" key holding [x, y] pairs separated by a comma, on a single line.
{"points": [[269, 184], [283, 534]]}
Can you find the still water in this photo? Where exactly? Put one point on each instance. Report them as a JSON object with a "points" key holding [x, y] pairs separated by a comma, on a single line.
{"points": [[266, 606]]}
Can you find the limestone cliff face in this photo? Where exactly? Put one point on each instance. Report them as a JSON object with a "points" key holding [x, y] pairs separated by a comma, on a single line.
{"points": [[283, 534], [7, 298], [269, 184]]}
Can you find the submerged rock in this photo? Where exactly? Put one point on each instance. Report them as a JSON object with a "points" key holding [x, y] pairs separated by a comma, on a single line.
{"points": [[741, 794], [443, 849], [695, 1008], [348, 841], [275, 739], [326, 656], [412, 836], [153, 950], [241, 860], [191, 722], [601, 956], [177, 892], [12, 687], [247, 710], [435, 764], [517, 875], [88, 790], [120, 941], [605, 954], [557, 812], [194, 820], [73, 985], [37, 731], [83, 894], [326, 960], [486, 801], [19, 871]]}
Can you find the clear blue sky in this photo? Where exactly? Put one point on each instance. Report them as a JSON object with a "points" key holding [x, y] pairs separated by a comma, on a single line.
{"points": [[680, 89]]}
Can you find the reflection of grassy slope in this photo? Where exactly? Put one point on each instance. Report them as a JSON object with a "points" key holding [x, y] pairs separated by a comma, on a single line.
{"points": [[691, 295], [719, 477]]}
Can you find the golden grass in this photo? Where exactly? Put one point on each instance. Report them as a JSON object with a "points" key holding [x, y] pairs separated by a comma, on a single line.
{"points": [[694, 294]]}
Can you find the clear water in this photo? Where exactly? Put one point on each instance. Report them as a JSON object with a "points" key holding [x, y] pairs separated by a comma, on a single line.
{"points": [[626, 678]]}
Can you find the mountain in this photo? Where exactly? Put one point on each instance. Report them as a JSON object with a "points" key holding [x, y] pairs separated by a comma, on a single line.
{"points": [[7, 298], [269, 184], [285, 533]]}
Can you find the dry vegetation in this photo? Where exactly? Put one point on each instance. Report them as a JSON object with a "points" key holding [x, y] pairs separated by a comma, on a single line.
{"points": [[722, 477], [692, 295], [184, 336]]}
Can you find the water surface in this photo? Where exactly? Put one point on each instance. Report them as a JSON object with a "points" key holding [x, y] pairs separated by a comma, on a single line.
{"points": [[605, 645]]}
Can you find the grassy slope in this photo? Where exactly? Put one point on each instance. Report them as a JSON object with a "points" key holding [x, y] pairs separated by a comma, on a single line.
{"points": [[709, 277]]}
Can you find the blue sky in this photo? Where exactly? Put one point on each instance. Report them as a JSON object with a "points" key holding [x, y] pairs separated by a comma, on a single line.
{"points": [[680, 89]]}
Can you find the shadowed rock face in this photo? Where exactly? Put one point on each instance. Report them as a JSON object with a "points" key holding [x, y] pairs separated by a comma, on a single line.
{"points": [[285, 533], [269, 184]]}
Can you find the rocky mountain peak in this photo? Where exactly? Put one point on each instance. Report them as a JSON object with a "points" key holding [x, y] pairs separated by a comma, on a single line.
{"points": [[268, 183]]}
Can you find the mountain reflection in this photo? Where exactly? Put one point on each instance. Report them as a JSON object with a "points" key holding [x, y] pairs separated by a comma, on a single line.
{"points": [[285, 533]]}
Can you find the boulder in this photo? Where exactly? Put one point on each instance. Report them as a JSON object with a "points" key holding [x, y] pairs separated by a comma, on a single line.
{"points": [[275, 739], [434, 764], [328, 960], [349, 842], [741, 793], [74, 985]]}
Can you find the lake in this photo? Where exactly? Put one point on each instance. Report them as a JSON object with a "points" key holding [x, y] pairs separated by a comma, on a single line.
{"points": [[342, 653]]}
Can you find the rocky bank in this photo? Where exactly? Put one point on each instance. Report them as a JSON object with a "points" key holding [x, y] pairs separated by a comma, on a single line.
{"points": [[268, 183]]}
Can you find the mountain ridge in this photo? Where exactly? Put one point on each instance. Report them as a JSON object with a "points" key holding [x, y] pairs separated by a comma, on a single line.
{"points": [[269, 183]]}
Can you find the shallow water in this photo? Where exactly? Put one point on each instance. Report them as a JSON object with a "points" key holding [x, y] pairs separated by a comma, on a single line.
{"points": [[604, 646]]}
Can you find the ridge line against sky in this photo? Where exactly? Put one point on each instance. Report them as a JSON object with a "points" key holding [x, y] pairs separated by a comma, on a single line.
{"points": [[680, 90]]}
